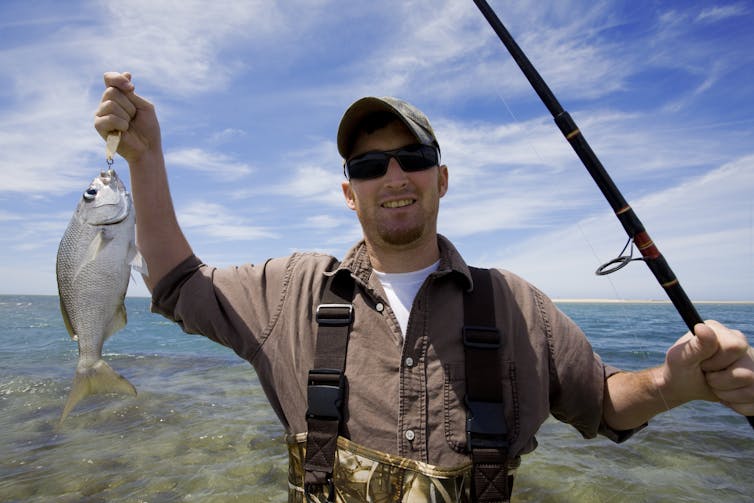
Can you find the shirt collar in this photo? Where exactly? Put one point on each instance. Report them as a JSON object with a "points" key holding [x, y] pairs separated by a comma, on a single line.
{"points": [[357, 262]]}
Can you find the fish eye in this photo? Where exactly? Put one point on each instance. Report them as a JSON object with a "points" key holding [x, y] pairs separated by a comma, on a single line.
{"points": [[90, 193]]}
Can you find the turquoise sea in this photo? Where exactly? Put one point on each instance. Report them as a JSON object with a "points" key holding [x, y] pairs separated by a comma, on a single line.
{"points": [[200, 428]]}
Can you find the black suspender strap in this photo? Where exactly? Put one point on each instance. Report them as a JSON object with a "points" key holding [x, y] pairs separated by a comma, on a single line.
{"points": [[486, 431], [326, 386], [485, 425]]}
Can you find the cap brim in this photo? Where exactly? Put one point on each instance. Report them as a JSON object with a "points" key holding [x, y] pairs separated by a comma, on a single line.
{"points": [[356, 114]]}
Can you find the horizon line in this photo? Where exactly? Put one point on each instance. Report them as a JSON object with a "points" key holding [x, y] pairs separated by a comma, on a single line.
{"points": [[566, 300]]}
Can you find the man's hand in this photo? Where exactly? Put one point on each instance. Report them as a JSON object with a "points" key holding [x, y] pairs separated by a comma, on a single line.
{"points": [[121, 109], [730, 371], [715, 364]]}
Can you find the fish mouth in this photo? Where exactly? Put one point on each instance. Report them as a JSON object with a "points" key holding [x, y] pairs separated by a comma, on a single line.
{"points": [[110, 177], [398, 203]]}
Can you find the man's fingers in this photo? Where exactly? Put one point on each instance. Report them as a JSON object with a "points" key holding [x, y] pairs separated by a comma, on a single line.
{"points": [[119, 104], [732, 346], [115, 102], [122, 110], [114, 112], [120, 81], [121, 90], [732, 380], [730, 371], [109, 123]]}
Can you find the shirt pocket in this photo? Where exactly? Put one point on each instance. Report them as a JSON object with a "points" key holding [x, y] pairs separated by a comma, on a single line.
{"points": [[454, 407]]}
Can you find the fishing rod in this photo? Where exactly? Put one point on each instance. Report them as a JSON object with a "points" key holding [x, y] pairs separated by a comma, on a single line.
{"points": [[626, 215]]}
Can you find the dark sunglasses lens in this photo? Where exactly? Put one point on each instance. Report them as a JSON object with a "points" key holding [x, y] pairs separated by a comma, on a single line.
{"points": [[374, 164], [417, 158], [371, 165]]}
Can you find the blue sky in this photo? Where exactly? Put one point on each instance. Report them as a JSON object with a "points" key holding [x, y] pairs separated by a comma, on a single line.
{"points": [[249, 95]]}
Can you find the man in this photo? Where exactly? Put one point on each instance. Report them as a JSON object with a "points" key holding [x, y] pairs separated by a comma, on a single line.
{"points": [[403, 427]]}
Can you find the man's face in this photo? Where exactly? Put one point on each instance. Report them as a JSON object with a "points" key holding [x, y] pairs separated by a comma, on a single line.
{"points": [[398, 210]]}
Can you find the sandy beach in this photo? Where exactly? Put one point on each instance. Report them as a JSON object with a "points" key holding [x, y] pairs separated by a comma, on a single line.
{"points": [[647, 301]]}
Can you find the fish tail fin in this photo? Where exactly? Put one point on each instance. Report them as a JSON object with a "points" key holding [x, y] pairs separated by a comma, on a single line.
{"points": [[99, 378]]}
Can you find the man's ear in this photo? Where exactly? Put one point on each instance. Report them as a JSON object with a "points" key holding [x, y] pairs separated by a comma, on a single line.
{"points": [[349, 195], [442, 180]]}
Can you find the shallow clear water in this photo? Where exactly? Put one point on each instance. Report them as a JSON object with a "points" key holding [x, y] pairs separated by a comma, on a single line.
{"points": [[201, 430]]}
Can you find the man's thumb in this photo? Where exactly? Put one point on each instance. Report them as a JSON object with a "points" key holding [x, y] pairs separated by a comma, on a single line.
{"points": [[139, 102], [704, 345]]}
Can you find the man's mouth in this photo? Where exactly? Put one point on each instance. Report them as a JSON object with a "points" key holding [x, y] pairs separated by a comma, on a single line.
{"points": [[400, 203]]}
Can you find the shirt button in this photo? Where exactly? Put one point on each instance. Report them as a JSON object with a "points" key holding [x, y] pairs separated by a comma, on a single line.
{"points": [[409, 362], [410, 435], [379, 307]]}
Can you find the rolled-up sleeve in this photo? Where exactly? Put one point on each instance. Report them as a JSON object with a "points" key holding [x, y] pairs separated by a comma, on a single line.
{"points": [[578, 376], [234, 306]]}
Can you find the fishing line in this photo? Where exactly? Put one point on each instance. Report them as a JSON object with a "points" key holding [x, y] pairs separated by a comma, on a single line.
{"points": [[631, 223], [651, 255], [585, 237], [641, 346]]}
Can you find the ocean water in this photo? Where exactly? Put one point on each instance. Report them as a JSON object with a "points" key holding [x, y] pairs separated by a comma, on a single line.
{"points": [[201, 430]]}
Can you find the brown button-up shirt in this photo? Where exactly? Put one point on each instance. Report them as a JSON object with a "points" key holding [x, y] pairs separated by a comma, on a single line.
{"points": [[405, 397]]}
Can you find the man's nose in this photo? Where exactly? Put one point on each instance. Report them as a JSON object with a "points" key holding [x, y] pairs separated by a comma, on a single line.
{"points": [[395, 174]]}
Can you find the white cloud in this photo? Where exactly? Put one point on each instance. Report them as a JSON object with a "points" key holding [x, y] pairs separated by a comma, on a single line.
{"points": [[175, 46], [311, 175], [220, 165], [314, 183], [720, 12], [212, 220], [227, 134], [324, 222], [684, 221], [49, 137], [468, 60], [178, 49], [256, 88]]}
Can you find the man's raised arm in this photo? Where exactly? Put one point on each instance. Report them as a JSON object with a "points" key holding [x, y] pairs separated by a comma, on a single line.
{"points": [[158, 236]]}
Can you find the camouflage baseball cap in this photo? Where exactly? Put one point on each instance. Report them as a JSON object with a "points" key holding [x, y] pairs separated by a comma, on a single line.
{"points": [[411, 116]]}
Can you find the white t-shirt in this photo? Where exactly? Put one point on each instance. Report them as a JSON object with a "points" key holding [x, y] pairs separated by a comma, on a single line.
{"points": [[401, 288]]}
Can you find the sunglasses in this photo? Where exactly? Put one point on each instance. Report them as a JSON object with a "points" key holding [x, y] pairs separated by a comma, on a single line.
{"points": [[374, 164]]}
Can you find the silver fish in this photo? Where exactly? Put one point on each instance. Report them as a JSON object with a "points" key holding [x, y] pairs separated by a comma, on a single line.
{"points": [[93, 271]]}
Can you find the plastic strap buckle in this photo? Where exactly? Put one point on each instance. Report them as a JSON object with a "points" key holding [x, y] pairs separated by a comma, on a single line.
{"points": [[338, 315], [485, 425], [481, 337], [325, 390]]}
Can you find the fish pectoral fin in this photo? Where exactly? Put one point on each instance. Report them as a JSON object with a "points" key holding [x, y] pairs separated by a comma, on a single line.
{"points": [[93, 250], [99, 378], [139, 264], [97, 244], [137, 261]]}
